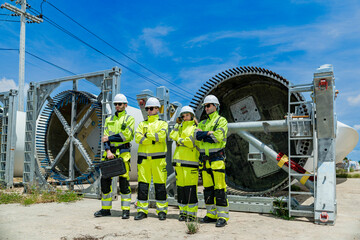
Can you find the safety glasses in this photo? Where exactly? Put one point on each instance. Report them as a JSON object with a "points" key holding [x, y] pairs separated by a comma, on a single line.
{"points": [[149, 108], [207, 105], [118, 104]]}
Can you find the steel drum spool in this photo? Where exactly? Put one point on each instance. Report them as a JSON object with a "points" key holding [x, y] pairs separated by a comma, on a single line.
{"points": [[51, 137], [252, 94]]}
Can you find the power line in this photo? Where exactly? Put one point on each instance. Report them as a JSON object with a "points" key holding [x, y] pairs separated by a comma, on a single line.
{"points": [[50, 63], [9, 49], [131, 98], [5, 20], [87, 44], [116, 49], [112, 59]]}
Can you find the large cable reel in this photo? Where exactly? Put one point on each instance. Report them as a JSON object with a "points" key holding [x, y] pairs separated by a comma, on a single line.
{"points": [[253, 94], [53, 138]]}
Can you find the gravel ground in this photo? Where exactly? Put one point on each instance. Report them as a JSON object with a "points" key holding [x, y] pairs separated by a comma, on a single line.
{"points": [[76, 221]]}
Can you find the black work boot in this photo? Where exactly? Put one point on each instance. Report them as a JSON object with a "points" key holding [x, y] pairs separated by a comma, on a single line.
{"points": [[102, 213], [221, 222], [207, 219], [125, 214], [140, 215], [162, 216]]}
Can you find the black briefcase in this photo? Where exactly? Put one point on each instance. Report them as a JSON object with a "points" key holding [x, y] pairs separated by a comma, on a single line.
{"points": [[112, 168]]}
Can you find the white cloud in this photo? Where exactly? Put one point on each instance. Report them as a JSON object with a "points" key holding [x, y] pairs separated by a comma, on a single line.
{"points": [[354, 100], [357, 127], [153, 39], [294, 38], [7, 84], [323, 35]]}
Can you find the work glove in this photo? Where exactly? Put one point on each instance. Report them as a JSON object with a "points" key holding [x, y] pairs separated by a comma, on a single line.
{"points": [[178, 120]]}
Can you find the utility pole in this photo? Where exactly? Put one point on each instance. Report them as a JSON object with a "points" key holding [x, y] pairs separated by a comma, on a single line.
{"points": [[23, 19]]}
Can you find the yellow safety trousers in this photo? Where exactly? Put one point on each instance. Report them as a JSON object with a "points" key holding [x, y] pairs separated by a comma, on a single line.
{"points": [[213, 176], [187, 183], [155, 169]]}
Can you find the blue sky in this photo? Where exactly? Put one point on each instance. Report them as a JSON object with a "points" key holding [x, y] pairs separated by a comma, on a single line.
{"points": [[187, 42]]}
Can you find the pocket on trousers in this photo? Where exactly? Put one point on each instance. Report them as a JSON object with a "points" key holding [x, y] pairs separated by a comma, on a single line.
{"points": [[218, 165]]}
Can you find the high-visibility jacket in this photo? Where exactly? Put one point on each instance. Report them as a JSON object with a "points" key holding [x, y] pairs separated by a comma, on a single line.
{"points": [[151, 137], [218, 125], [120, 130], [187, 150]]}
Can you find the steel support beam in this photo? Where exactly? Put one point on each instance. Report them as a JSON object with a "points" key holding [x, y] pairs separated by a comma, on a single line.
{"points": [[325, 200], [259, 126], [271, 154]]}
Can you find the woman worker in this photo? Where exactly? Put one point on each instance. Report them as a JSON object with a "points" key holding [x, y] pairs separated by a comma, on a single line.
{"points": [[186, 162]]}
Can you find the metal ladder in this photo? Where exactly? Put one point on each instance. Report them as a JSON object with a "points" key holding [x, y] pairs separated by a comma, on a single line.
{"points": [[108, 94], [29, 170], [4, 136], [301, 128], [8, 137]]}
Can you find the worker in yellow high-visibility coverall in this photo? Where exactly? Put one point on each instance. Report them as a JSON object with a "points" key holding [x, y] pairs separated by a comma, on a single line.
{"points": [[212, 136], [186, 162], [151, 137], [118, 133]]}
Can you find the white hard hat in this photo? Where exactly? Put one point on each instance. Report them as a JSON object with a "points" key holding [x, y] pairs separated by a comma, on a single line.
{"points": [[211, 99], [187, 109], [120, 98], [152, 102]]}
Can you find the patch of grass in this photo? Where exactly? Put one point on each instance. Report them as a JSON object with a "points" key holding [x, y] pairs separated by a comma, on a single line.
{"points": [[48, 196], [348, 175], [281, 210], [37, 196], [28, 200], [67, 196], [11, 197], [340, 171], [193, 227]]}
